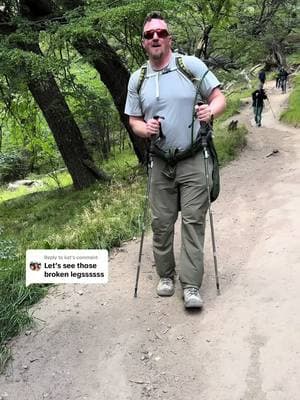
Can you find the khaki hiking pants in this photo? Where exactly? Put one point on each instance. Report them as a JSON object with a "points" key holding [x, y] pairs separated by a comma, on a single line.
{"points": [[188, 192]]}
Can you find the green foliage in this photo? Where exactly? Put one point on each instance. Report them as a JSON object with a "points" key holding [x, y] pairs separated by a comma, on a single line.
{"points": [[234, 102], [233, 105], [13, 165], [15, 300], [4, 357], [191, 20], [22, 65], [99, 217], [229, 143], [92, 107], [294, 58], [292, 114], [23, 126], [15, 297]]}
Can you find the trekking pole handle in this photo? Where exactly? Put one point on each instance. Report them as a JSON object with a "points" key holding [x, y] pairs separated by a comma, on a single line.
{"points": [[157, 118], [201, 103], [205, 128]]}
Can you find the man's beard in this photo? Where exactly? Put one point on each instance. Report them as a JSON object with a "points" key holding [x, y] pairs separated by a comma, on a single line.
{"points": [[157, 56]]}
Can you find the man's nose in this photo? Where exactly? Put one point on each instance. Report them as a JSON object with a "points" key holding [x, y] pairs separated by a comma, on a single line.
{"points": [[155, 36]]}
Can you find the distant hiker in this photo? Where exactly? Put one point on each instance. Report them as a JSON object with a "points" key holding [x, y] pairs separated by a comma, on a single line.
{"points": [[165, 102], [283, 75], [258, 97], [262, 77], [278, 78], [277, 81]]}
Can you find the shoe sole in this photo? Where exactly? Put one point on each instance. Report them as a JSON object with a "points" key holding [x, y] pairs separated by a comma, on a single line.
{"points": [[165, 294], [193, 304]]}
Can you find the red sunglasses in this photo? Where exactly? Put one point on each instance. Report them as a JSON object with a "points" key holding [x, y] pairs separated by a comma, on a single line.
{"points": [[161, 33]]}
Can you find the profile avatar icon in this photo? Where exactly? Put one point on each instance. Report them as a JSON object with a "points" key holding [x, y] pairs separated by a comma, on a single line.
{"points": [[35, 266]]}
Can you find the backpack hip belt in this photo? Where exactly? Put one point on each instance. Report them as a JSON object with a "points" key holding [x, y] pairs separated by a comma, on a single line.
{"points": [[173, 156]]}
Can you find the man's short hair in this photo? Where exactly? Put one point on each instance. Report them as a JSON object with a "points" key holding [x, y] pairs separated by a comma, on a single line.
{"points": [[153, 15]]}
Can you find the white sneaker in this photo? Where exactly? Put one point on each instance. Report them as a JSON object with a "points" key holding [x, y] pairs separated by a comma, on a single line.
{"points": [[192, 298], [165, 287]]}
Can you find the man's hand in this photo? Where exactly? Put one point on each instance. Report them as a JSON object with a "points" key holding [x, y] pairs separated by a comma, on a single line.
{"points": [[203, 112], [145, 129], [152, 127]]}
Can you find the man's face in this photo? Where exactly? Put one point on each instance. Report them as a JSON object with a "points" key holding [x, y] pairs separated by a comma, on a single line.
{"points": [[156, 40]]}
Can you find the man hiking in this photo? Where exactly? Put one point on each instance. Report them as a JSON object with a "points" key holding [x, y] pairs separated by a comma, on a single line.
{"points": [[262, 77], [162, 109], [283, 76], [258, 97], [278, 82]]}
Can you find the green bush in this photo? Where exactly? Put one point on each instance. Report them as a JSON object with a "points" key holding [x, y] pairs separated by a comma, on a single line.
{"points": [[13, 165], [292, 114]]}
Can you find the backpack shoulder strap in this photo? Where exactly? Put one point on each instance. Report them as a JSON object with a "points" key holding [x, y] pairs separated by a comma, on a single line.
{"points": [[180, 66], [141, 77], [184, 69]]}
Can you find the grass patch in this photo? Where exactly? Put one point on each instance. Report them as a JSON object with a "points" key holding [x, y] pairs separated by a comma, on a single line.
{"points": [[292, 114], [294, 59], [102, 216], [234, 102], [15, 297], [4, 357], [229, 143], [232, 108]]}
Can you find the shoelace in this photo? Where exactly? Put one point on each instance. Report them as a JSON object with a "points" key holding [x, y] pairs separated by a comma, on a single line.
{"points": [[166, 281], [192, 291]]}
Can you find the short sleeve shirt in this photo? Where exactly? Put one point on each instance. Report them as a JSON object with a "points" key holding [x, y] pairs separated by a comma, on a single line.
{"points": [[171, 95]]}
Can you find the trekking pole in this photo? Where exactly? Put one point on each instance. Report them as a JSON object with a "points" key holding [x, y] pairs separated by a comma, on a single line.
{"points": [[145, 213], [204, 131]]}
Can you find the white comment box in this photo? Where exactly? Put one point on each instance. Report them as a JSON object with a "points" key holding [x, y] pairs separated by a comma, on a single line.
{"points": [[66, 266]]}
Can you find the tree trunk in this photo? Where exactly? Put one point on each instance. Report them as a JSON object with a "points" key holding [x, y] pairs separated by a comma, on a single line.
{"points": [[66, 132], [57, 113], [104, 58], [115, 77], [202, 47]]}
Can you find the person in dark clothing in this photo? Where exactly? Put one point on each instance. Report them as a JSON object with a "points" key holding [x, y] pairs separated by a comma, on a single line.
{"points": [[278, 83], [262, 77], [258, 97], [283, 75]]}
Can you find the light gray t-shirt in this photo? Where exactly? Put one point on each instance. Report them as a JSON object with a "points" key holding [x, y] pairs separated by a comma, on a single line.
{"points": [[170, 94]]}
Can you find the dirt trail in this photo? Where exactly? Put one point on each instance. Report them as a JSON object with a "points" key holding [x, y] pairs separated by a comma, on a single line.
{"points": [[95, 343]]}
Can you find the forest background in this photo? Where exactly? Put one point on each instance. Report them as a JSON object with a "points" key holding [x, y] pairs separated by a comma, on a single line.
{"points": [[64, 70]]}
